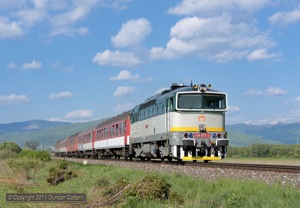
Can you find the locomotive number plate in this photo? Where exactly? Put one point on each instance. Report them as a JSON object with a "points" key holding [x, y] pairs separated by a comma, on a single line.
{"points": [[201, 135]]}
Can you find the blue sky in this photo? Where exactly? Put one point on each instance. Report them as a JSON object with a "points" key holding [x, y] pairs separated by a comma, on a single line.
{"points": [[82, 60]]}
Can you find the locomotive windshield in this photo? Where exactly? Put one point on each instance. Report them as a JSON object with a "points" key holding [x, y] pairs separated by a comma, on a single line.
{"points": [[201, 101]]}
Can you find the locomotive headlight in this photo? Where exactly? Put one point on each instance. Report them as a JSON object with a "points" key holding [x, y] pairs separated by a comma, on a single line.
{"points": [[203, 88], [195, 87]]}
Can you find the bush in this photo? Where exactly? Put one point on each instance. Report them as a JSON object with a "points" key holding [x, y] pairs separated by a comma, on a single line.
{"points": [[60, 174], [26, 165], [12, 146], [42, 155], [6, 154], [150, 188]]}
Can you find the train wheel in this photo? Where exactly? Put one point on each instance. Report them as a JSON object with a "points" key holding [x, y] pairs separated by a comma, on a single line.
{"points": [[194, 160], [205, 161]]}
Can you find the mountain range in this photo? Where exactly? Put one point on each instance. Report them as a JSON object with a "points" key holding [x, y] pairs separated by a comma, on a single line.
{"points": [[48, 132]]}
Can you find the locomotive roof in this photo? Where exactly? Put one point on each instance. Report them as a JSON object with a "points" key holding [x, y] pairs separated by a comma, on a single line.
{"points": [[173, 89], [114, 119]]}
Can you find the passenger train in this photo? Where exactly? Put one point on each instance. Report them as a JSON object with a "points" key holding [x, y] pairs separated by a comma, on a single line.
{"points": [[183, 123]]}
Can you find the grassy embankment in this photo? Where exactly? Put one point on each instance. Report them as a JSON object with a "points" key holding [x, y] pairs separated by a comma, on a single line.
{"points": [[108, 186]]}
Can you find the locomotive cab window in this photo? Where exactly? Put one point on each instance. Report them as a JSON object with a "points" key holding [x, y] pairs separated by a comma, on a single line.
{"points": [[201, 101]]}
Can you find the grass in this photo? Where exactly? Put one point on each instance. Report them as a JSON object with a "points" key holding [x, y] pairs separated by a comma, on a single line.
{"points": [[94, 180]]}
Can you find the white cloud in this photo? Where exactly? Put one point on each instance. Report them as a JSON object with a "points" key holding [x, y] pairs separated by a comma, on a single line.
{"points": [[116, 58], [32, 65], [79, 114], [232, 111], [77, 11], [274, 91], [125, 75], [63, 17], [217, 7], [64, 23], [298, 99], [69, 31], [132, 33], [13, 99], [12, 65], [59, 95], [285, 18], [216, 38], [123, 91], [254, 92], [124, 107], [29, 17], [261, 54], [10, 29], [9, 4]]}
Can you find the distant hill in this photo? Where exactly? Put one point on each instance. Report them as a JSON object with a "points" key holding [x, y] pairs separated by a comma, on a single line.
{"points": [[28, 126], [281, 132], [237, 139], [48, 136], [47, 132]]}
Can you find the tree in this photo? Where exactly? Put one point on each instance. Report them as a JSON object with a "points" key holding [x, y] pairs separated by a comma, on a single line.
{"points": [[12, 146], [32, 144]]}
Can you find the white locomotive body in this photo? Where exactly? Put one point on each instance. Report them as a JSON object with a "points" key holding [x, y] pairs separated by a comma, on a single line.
{"points": [[183, 123]]}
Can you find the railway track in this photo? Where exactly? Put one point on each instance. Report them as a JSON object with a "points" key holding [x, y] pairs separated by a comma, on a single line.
{"points": [[259, 167], [242, 166]]}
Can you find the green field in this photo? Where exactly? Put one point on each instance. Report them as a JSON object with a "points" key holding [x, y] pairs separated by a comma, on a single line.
{"points": [[109, 186]]}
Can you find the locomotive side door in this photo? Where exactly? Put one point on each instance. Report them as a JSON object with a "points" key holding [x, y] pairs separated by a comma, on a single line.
{"points": [[169, 107]]}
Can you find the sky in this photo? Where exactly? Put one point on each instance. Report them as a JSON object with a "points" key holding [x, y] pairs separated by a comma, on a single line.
{"points": [[83, 60]]}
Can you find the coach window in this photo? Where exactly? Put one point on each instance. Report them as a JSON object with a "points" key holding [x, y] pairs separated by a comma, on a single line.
{"points": [[117, 130], [123, 128], [112, 131]]}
